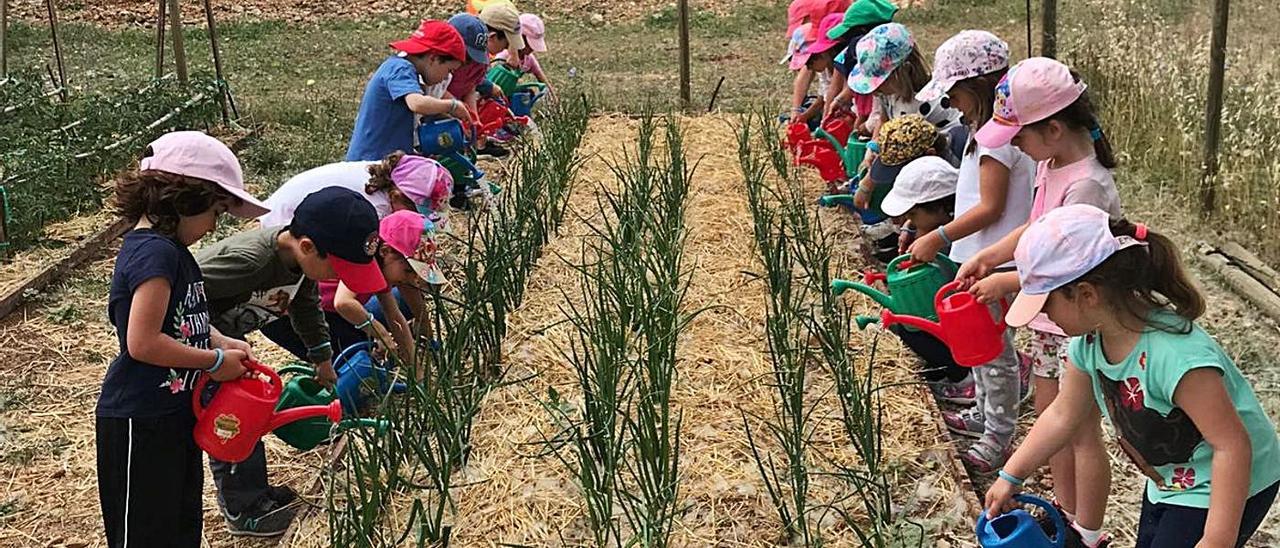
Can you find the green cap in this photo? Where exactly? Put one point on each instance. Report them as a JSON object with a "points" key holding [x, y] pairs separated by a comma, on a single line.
{"points": [[864, 12]]}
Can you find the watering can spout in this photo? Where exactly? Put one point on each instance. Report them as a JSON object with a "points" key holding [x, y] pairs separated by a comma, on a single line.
{"points": [[888, 318], [885, 301], [332, 411]]}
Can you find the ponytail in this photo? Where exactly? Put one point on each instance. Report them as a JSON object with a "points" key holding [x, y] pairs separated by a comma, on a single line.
{"points": [[1081, 116], [1139, 279], [380, 174]]}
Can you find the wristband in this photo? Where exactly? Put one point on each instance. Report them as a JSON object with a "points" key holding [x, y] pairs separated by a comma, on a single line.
{"points": [[942, 233], [219, 356], [1015, 480], [318, 347], [366, 323]]}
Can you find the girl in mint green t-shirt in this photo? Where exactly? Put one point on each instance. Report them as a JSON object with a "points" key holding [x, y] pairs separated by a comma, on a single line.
{"points": [[1182, 411]]}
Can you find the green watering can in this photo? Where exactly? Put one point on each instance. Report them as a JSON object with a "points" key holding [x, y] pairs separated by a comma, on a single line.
{"points": [[302, 390], [508, 79], [912, 287], [851, 155]]}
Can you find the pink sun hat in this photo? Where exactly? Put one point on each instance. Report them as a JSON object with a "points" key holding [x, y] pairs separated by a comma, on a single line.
{"points": [[1059, 248], [424, 181], [534, 31], [197, 155], [796, 55], [1032, 91], [413, 235], [823, 43]]}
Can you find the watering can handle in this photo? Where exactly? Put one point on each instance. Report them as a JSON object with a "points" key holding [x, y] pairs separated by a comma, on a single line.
{"points": [[870, 276], [197, 406], [1060, 537], [297, 369], [350, 351], [947, 289]]}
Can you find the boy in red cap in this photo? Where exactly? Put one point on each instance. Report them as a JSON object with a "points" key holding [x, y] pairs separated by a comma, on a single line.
{"points": [[266, 279], [395, 93]]}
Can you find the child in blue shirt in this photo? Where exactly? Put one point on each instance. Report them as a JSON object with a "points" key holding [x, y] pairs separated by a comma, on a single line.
{"points": [[385, 122]]}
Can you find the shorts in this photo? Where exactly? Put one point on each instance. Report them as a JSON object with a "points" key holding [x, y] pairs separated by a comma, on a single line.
{"points": [[1047, 352]]}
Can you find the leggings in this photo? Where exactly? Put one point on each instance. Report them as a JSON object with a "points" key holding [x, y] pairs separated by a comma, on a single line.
{"points": [[1172, 526]]}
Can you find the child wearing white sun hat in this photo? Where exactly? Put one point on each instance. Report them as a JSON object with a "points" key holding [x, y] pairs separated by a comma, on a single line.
{"points": [[1182, 411]]}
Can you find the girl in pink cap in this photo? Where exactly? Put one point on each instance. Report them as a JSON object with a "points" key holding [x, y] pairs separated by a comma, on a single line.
{"points": [[150, 471], [535, 42], [1042, 108], [1182, 411], [398, 182]]}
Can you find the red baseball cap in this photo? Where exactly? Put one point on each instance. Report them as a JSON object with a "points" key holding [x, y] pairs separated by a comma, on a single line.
{"points": [[434, 36]]}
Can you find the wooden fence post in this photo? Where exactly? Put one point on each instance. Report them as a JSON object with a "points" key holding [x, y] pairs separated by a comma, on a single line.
{"points": [[179, 49], [161, 21], [686, 97], [1213, 110], [217, 61], [4, 38], [1049, 29], [57, 47]]}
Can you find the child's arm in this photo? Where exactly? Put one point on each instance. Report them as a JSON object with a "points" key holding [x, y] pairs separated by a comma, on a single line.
{"points": [[980, 265], [799, 89], [431, 106], [1203, 396], [218, 340], [993, 189], [1050, 433], [995, 287], [307, 319], [147, 342], [347, 305], [397, 324]]}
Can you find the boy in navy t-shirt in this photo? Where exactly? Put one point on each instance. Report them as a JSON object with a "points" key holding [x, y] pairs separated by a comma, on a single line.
{"points": [[385, 122]]}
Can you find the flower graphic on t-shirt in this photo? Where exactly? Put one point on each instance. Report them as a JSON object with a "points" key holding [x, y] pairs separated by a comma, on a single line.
{"points": [[1131, 394], [1183, 478], [175, 383]]}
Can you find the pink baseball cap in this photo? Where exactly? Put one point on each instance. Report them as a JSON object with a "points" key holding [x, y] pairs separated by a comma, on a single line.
{"points": [[802, 12], [424, 181], [796, 55], [194, 154], [535, 33], [1031, 91], [413, 236], [1057, 249], [823, 43]]}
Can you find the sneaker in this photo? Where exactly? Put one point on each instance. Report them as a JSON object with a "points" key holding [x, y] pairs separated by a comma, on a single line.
{"points": [[267, 519], [966, 422], [1024, 376], [503, 136], [1073, 540], [983, 458], [962, 392], [283, 495], [492, 151]]}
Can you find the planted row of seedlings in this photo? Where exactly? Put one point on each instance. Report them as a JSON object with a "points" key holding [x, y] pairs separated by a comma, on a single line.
{"points": [[53, 152], [807, 332], [394, 486], [622, 443]]}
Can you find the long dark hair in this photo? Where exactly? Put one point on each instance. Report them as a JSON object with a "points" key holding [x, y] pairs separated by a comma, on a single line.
{"points": [[1081, 116], [983, 90], [1139, 279], [912, 75]]}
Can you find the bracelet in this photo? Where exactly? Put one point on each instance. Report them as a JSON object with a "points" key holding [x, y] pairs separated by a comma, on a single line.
{"points": [[219, 356], [942, 233], [1015, 480], [366, 323]]}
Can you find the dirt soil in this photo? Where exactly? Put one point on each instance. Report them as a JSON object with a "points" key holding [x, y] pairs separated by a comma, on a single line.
{"points": [[142, 13]]}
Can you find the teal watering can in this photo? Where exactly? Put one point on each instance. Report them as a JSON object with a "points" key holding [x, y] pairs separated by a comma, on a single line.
{"points": [[303, 390], [1017, 529], [443, 139], [911, 286]]}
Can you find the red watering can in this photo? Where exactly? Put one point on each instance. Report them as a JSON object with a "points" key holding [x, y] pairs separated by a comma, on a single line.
{"points": [[837, 128], [964, 324], [241, 412], [827, 161]]}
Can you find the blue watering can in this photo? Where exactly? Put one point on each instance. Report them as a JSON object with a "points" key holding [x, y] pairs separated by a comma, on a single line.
{"points": [[1017, 529], [522, 100], [443, 138], [361, 376]]}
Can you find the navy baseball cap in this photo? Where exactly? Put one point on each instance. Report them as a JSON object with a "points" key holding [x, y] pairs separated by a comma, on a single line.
{"points": [[475, 35], [344, 226]]}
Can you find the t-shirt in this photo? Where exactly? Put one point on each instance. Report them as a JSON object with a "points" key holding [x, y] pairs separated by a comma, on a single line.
{"points": [[249, 286], [1083, 182], [349, 175], [528, 63], [1137, 396], [938, 111], [466, 78], [133, 388], [329, 290], [384, 123], [1017, 202]]}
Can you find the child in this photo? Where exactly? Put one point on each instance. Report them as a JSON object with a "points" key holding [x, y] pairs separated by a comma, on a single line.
{"points": [[535, 41], [890, 68], [993, 197], [385, 122], [803, 18], [150, 476], [269, 275], [861, 17], [901, 140], [1043, 108], [1182, 411], [398, 182], [502, 22]]}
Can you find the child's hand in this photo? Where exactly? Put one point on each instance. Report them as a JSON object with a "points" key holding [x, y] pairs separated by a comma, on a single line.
{"points": [[974, 269], [993, 288], [382, 339], [926, 248], [1000, 498], [862, 198], [325, 374], [232, 366], [229, 343]]}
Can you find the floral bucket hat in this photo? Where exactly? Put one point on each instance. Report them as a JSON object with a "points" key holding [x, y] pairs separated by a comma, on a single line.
{"points": [[969, 54], [880, 52]]}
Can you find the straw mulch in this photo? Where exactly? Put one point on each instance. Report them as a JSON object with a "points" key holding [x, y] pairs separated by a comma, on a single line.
{"points": [[519, 497]]}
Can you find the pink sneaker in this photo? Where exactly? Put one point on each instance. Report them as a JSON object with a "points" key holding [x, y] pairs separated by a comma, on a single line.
{"points": [[960, 393], [966, 422]]}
